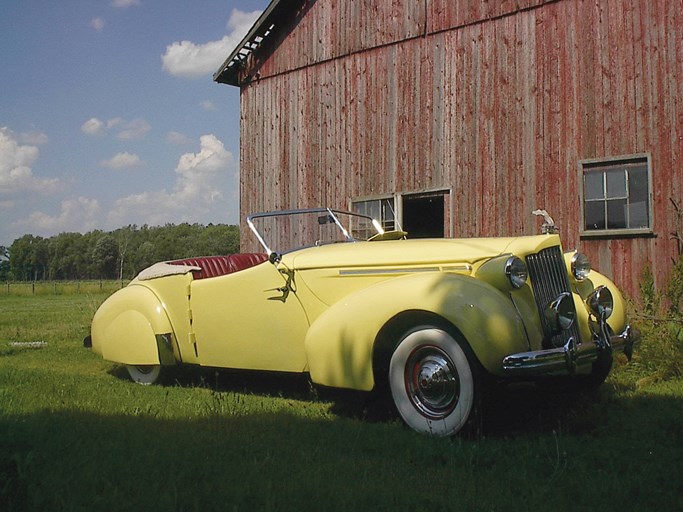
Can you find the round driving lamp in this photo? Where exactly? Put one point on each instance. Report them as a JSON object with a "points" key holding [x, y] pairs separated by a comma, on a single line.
{"points": [[581, 267], [601, 303], [516, 271], [560, 313]]}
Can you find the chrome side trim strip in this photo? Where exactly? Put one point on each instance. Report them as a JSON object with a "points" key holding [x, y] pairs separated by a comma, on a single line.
{"points": [[386, 271], [398, 270], [457, 268]]}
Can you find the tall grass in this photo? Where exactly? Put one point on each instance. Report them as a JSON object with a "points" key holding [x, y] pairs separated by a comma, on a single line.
{"points": [[76, 434], [660, 354]]}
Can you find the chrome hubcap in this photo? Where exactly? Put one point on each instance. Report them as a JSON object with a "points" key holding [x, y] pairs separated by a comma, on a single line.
{"points": [[432, 382]]}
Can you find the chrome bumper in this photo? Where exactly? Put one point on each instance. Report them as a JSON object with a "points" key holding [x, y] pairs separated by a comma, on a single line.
{"points": [[572, 355]]}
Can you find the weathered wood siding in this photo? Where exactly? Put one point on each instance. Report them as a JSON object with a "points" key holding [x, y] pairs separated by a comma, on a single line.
{"points": [[497, 100]]}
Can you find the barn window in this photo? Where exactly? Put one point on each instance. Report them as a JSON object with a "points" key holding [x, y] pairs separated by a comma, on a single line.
{"points": [[616, 196], [382, 210]]}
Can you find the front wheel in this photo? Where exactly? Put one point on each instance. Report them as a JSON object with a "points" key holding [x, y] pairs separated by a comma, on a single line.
{"points": [[433, 381], [144, 374]]}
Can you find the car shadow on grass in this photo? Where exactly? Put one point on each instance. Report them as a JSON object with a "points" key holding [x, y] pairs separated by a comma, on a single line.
{"points": [[519, 409], [274, 384]]}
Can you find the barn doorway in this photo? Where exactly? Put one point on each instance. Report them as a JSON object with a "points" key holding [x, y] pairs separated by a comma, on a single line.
{"points": [[426, 215]]}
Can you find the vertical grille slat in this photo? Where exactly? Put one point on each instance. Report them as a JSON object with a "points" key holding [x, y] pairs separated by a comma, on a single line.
{"points": [[549, 279]]}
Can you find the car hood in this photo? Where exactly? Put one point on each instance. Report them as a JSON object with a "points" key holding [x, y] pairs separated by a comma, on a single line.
{"points": [[415, 252]]}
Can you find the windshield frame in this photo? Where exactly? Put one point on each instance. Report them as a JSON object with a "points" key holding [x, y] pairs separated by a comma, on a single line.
{"points": [[333, 218]]}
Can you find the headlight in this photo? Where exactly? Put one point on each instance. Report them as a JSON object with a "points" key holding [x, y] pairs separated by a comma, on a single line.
{"points": [[601, 303], [560, 313], [516, 271], [581, 267]]}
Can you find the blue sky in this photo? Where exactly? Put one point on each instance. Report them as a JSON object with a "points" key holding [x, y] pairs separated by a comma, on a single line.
{"points": [[109, 115]]}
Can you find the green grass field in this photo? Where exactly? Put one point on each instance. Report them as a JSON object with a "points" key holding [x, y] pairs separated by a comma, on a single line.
{"points": [[75, 434]]}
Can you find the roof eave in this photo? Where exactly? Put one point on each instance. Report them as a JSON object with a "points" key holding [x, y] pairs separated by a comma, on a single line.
{"points": [[228, 72]]}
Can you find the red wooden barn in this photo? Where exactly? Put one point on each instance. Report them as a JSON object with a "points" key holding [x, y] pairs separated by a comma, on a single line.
{"points": [[460, 117]]}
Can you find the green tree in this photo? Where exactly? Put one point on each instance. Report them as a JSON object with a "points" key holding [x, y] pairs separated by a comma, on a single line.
{"points": [[69, 256], [30, 258], [118, 254], [105, 255], [4, 263]]}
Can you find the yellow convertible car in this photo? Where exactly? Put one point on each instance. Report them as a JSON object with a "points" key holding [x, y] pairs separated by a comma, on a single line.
{"points": [[333, 295]]}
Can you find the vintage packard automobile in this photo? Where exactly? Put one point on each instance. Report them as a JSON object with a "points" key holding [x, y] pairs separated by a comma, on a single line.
{"points": [[333, 295]]}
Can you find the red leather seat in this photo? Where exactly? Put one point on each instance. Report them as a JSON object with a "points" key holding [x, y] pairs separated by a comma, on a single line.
{"points": [[214, 266]]}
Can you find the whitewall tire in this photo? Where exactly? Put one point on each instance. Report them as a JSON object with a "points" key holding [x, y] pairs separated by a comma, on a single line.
{"points": [[144, 374], [432, 381]]}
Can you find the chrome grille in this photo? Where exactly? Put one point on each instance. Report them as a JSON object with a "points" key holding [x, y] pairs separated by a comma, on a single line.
{"points": [[548, 276]]}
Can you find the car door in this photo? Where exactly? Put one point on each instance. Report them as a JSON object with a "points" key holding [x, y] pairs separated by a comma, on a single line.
{"points": [[250, 319]]}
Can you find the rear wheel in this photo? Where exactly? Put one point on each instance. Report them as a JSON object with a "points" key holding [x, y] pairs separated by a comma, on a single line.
{"points": [[433, 381], [144, 374]]}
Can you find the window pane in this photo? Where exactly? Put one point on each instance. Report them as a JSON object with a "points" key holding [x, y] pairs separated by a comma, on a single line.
{"points": [[616, 183], [373, 209], [637, 185], [616, 214], [381, 210], [595, 215], [638, 215], [593, 185], [617, 194], [387, 214]]}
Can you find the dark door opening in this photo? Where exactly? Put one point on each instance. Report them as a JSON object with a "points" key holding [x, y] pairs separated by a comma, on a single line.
{"points": [[423, 215]]}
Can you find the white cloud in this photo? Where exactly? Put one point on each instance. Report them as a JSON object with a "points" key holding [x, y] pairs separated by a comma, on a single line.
{"points": [[135, 129], [114, 122], [212, 157], [240, 22], [122, 4], [188, 59], [97, 24], [123, 160], [16, 161], [208, 106], [35, 138], [196, 189], [177, 138], [125, 130], [93, 126], [76, 215]]}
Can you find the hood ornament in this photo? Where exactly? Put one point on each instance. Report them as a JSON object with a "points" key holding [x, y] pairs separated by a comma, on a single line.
{"points": [[548, 227]]}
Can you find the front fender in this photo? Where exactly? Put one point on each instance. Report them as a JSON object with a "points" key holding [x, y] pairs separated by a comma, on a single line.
{"points": [[127, 327], [617, 321], [339, 344]]}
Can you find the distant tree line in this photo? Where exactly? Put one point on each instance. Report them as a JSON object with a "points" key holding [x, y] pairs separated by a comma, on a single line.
{"points": [[118, 254]]}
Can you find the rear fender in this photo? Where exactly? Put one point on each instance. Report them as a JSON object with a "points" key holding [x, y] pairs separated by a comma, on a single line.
{"points": [[340, 343], [131, 327]]}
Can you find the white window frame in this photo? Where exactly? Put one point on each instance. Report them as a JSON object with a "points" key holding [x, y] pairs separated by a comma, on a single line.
{"points": [[603, 165], [397, 208], [387, 224]]}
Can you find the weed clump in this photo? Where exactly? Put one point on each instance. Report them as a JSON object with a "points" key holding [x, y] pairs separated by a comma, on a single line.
{"points": [[660, 353]]}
